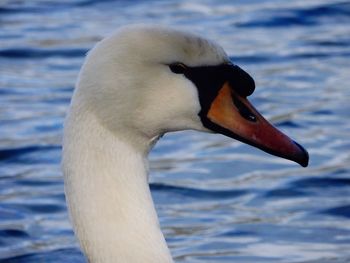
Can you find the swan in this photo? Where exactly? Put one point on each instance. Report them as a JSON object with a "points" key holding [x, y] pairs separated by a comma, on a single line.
{"points": [[135, 85]]}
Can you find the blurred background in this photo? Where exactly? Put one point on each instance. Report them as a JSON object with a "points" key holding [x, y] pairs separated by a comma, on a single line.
{"points": [[218, 200]]}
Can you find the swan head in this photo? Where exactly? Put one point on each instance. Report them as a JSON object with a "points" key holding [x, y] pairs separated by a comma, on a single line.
{"points": [[144, 81]]}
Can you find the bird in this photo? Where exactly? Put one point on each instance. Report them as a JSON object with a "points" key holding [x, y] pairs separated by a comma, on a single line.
{"points": [[135, 85]]}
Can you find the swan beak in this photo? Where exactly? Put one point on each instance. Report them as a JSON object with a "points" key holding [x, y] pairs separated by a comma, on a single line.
{"points": [[234, 116]]}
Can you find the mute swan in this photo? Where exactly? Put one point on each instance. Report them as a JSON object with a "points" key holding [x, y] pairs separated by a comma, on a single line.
{"points": [[134, 86]]}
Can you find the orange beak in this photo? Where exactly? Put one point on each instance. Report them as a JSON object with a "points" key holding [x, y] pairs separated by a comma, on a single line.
{"points": [[234, 116]]}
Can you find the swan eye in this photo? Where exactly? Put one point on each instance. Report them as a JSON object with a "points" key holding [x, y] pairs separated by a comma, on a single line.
{"points": [[178, 68]]}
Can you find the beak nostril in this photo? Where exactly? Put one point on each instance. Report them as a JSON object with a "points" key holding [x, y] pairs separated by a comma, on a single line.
{"points": [[243, 109]]}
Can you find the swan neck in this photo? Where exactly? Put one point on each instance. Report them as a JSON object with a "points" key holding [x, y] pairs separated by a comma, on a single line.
{"points": [[108, 195]]}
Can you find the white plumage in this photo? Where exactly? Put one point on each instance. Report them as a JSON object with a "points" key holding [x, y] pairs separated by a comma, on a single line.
{"points": [[126, 97]]}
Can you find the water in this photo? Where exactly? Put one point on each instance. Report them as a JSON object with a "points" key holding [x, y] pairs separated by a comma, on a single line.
{"points": [[218, 200]]}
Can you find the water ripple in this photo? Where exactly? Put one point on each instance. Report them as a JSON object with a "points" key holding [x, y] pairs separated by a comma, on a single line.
{"points": [[13, 155], [27, 53], [302, 16], [217, 199], [202, 194]]}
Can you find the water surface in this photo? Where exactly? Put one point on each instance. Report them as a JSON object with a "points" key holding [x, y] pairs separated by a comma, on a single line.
{"points": [[218, 200]]}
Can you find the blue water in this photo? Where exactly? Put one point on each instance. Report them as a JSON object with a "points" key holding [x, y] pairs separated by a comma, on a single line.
{"points": [[218, 200]]}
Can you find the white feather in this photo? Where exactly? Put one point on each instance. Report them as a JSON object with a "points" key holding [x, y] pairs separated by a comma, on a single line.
{"points": [[125, 98]]}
